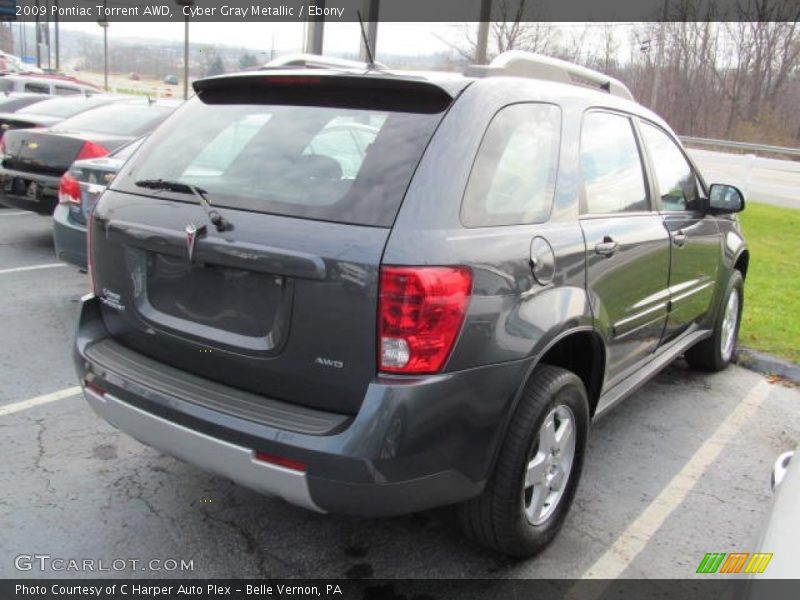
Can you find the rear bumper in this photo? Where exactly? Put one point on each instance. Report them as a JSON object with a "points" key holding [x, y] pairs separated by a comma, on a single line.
{"points": [[413, 445], [214, 455], [69, 237], [44, 201]]}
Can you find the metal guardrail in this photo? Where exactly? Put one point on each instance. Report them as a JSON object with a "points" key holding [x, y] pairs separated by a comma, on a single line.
{"points": [[757, 148]]}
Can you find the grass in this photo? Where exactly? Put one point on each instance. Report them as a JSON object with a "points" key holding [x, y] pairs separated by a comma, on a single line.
{"points": [[771, 320]]}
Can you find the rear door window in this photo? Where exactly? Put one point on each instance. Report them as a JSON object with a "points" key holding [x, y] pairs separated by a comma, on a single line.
{"points": [[611, 166], [332, 163], [66, 91], [37, 88], [513, 178]]}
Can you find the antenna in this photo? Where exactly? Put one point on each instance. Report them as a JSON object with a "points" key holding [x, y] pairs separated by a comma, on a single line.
{"points": [[370, 55]]}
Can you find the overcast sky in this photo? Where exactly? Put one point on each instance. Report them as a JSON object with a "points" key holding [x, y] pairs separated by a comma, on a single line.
{"points": [[393, 38]]}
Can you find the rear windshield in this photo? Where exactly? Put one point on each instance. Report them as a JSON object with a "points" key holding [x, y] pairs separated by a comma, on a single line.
{"points": [[61, 107], [16, 102], [331, 163], [116, 119]]}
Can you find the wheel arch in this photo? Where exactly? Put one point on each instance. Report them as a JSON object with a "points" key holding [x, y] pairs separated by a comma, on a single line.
{"points": [[742, 262], [578, 349]]}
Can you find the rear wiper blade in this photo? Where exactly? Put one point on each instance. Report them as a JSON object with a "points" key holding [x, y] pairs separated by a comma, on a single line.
{"points": [[185, 188]]}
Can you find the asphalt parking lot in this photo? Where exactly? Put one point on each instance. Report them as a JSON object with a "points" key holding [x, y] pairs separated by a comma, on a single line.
{"points": [[680, 469]]}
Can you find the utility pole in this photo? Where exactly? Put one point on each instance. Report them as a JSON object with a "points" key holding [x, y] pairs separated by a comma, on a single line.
{"points": [[315, 28], [38, 49], [659, 56], [183, 3], [483, 32], [58, 49], [657, 66], [104, 24]]}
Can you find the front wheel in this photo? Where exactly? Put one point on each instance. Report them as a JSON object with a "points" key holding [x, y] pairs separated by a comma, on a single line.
{"points": [[716, 352], [529, 494]]}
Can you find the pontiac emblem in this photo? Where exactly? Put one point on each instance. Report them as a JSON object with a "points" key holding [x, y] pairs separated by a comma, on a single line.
{"points": [[192, 233]]}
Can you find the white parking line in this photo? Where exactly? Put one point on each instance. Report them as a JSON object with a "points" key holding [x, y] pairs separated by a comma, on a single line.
{"points": [[635, 538], [9, 409], [32, 268], [15, 213]]}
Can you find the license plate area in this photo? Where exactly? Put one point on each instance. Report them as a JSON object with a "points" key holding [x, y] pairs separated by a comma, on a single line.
{"points": [[234, 300], [17, 186]]}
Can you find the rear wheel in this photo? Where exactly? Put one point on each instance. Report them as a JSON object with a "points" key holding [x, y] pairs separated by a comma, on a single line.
{"points": [[537, 471], [716, 352]]}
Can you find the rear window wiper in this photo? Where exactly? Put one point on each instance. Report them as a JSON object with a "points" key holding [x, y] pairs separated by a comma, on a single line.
{"points": [[213, 214]]}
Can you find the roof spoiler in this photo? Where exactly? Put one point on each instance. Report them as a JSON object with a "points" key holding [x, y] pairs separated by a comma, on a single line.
{"points": [[516, 63], [316, 61]]}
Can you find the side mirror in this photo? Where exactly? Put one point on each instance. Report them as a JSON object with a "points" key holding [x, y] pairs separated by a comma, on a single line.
{"points": [[725, 199]]}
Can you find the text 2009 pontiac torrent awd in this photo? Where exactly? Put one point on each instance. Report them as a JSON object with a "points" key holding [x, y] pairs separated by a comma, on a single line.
{"points": [[375, 292]]}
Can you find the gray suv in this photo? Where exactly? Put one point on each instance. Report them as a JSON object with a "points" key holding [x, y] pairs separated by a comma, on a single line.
{"points": [[373, 292]]}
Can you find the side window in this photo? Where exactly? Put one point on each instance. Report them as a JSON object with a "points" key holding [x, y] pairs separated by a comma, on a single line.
{"points": [[611, 165], [513, 178], [37, 88], [66, 91], [677, 183]]}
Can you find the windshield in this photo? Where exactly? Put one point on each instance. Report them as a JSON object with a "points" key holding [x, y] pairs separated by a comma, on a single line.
{"points": [[61, 107], [116, 119], [327, 163], [124, 153]]}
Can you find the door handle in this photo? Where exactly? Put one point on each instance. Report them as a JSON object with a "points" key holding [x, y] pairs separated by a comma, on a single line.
{"points": [[679, 238], [608, 247]]}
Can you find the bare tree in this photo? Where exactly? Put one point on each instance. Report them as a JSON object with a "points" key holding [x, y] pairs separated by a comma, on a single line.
{"points": [[513, 27]]}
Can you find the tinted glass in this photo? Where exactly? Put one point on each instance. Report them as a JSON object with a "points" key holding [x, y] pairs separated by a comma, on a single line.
{"points": [[15, 103], [66, 91], [6, 85], [328, 163], [514, 174], [116, 119], [37, 88], [61, 107], [676, 181], [125, 152], [611, 166]]}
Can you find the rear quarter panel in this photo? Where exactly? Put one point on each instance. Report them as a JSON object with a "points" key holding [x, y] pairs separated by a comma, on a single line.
{"points": [[510, 316]]}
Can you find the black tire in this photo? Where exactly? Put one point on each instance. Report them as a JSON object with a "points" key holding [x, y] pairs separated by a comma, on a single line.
{"points": [[497, 518], [708, 354]]}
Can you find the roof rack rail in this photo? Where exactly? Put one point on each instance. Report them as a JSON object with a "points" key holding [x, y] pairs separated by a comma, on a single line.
{"points": [[316, 61], [516, 63]]}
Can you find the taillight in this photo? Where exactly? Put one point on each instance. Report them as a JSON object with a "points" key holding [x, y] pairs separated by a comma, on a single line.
{"points": [[420, 312], [69, 190], [2, 145], [91, 150]]}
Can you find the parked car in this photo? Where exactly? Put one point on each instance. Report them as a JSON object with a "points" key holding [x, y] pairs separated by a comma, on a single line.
{"points": [[35, 159], [14, 64], [513, 255], [50, 111], [13, 101], [78, 191], [171, 80], [779, 537], [46, 84]]}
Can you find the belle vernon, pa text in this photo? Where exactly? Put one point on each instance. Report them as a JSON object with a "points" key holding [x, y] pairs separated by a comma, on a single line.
{"points": [[157, 591], [165, 10]]}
